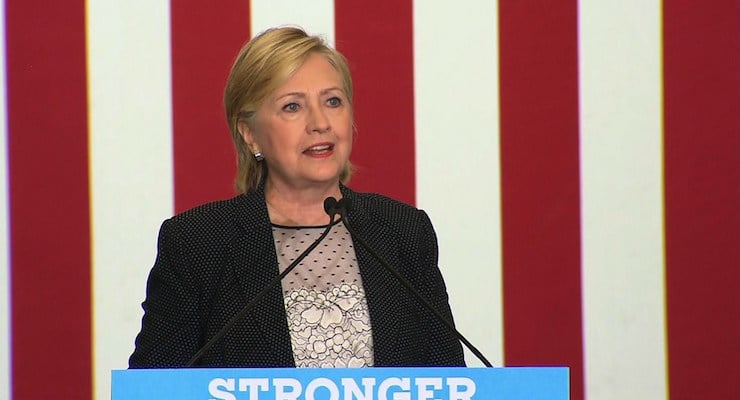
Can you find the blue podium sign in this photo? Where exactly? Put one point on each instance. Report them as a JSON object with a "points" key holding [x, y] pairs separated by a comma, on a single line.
{"points": [[550, 383]]}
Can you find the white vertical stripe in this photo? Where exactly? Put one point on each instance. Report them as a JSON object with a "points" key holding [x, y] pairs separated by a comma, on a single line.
{"points": [[131, 166], [315, 16], [457, 158], [621, 173], [4, 225]]}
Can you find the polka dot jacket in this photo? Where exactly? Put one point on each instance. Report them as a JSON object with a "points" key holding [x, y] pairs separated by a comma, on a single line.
{"points": [[213, 259]]}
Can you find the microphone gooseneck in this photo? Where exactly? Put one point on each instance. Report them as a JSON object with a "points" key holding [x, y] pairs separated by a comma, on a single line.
{"points": [[344, 205], [331, 207]]}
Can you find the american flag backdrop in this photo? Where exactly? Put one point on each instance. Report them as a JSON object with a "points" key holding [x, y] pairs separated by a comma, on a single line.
{"points": [[580, 161]]}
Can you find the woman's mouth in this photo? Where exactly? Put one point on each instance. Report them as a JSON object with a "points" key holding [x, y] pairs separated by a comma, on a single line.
{"points": [[319, 150]]}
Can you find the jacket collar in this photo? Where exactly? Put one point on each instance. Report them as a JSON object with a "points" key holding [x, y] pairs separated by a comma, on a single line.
{"points": [[255, 266], [381, 289]]}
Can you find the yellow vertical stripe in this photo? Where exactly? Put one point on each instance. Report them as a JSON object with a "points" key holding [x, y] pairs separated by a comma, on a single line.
{"points": [[131, 167], [315, 16], [4, 226], [457, 159], [621, 180]]}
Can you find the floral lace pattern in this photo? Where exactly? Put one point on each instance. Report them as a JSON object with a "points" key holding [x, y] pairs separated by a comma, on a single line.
{"points": [[330, 327]]}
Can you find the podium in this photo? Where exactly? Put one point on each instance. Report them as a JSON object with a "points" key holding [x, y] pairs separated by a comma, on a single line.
{"points": [[520, 383]]}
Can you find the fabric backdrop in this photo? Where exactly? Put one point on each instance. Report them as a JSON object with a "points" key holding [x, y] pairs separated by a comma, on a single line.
{"points": [[580, 161]]}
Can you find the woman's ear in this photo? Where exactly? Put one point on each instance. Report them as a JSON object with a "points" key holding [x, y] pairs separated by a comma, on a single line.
{"points": [[247, 136]]}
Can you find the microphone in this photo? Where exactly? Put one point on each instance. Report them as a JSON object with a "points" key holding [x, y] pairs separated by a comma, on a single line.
{"points": [[331, 207], [344, 205]]}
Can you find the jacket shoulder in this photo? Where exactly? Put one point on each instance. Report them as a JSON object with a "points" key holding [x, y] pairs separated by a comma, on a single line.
{"points": [[214, 211], [203, 230], [382, 208]]}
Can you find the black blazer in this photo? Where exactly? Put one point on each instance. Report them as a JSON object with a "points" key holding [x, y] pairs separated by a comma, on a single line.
{"points": [[216, 257]]}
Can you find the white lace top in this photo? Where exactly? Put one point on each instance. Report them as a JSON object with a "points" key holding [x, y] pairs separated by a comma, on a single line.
{"points": [[324, 298]]}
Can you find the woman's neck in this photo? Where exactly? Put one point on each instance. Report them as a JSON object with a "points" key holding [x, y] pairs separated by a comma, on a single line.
{"points": [[299, 207]]}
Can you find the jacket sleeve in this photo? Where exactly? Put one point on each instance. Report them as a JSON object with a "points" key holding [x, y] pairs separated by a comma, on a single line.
{"points": [[444, 348], [170, 329]]}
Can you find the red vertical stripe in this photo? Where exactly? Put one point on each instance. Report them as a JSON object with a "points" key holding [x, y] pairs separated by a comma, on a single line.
{"points": [[205, 40], [49, 205], [540, 186], [702, 197], [377, 39]]}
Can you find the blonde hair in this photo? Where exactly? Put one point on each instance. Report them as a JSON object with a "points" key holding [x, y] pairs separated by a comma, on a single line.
{"points": [[263, 65]]}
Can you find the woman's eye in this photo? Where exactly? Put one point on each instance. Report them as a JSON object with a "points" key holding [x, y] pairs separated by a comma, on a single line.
{"points": [[334, 102], [291, 107]]}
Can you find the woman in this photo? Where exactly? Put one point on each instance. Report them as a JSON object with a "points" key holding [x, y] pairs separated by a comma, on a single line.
{"points": [[288, 102]]}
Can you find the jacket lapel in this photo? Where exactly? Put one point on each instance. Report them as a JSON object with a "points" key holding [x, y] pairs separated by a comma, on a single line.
{"points": [[254, 244], [249, 252], [381, 288]]}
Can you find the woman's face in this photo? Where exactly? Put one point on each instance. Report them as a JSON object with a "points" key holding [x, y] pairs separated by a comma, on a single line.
{"points": [[304, 129]]}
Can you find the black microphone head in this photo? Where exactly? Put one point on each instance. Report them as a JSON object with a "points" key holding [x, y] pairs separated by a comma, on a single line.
{"points": [[345, 203], [331, 206]]}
